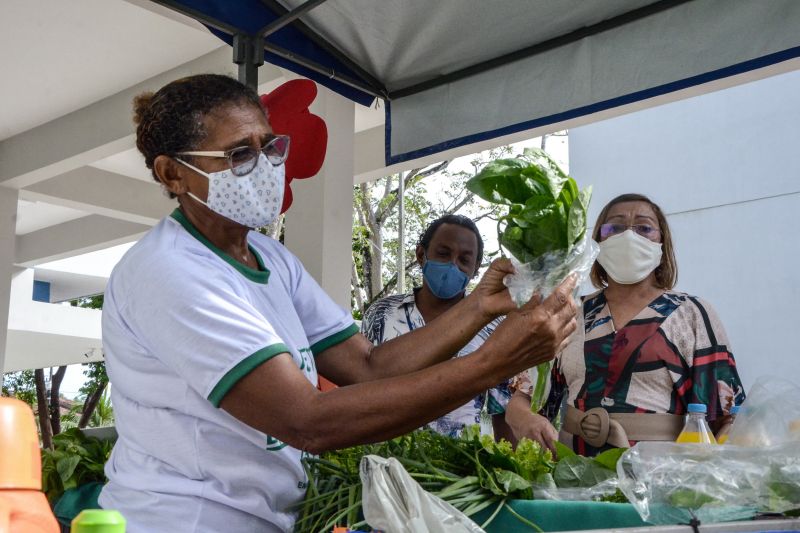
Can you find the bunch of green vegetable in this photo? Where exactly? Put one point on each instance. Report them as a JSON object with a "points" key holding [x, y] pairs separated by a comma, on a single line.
{"points": [[783, 488], [546, 219], [576, 471], [473, 473], [546, 211], [74, 461]]}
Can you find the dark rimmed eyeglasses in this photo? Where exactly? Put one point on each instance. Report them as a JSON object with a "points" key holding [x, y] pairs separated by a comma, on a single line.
{"points": [[242, 160], [645, 230]]}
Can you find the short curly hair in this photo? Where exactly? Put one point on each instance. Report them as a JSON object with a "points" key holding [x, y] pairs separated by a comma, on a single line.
{"points": [[170, 120], [458, 220]]}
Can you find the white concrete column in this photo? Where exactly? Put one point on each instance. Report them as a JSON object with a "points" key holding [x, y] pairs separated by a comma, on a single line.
{"points": [[319, 225], [8, 225]]}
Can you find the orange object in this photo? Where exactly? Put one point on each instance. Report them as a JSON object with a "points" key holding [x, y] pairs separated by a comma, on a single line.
{"points": [[26, 511], [20, 459], [340, 529], [23, 507], [326, 385]]}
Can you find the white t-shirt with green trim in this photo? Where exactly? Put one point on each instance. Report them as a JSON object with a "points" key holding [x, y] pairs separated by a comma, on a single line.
{"points": [[182, 323]]}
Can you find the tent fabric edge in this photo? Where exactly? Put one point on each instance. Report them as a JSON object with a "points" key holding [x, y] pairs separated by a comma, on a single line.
{"points": [[637, 96]]}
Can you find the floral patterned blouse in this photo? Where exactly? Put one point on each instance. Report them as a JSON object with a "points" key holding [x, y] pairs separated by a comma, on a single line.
{"points": [[393, 316], [673, 353]]}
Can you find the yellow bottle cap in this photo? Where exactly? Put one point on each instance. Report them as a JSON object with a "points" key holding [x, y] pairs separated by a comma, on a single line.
{"points": [[20, 459]]}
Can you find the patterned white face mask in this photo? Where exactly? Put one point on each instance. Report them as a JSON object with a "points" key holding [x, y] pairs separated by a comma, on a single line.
{"points": [[252, 200]]}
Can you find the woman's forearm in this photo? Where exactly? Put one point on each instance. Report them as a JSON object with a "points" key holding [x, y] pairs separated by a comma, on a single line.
{"points": [[357, 360], [277, 400]]}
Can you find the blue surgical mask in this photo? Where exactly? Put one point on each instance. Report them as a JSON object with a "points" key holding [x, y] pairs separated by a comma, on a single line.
{"points": [[445, 280]]}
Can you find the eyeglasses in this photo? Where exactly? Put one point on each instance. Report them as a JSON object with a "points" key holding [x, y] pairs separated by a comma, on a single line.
{"points": [[242, 160], [645, 230]]}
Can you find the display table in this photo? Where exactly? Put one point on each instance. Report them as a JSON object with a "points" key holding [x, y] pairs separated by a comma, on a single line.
{"points": [[562, 516], [617, 517]]}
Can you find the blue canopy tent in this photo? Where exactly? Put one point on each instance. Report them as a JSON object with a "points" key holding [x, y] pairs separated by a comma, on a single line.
{"points": [[455, 72]]}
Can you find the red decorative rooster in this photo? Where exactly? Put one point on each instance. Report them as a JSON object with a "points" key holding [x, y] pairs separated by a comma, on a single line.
{"points": [[288, 114]]}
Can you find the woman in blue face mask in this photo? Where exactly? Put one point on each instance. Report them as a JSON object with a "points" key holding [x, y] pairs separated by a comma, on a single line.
{"points": [[449, 252]]}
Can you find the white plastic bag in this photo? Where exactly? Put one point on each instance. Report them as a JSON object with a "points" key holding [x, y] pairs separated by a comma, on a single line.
{"points": [[393, 502]]}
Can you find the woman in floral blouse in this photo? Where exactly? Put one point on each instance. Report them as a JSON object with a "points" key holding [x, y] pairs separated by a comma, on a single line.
{"points": [[647, 351]]}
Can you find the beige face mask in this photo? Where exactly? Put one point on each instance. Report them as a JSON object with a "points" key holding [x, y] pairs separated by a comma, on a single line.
{"points": [[628, 258]]}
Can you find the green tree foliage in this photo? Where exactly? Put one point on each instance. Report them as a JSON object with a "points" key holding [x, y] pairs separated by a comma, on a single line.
{"points": [[430, 192], [20, 385], [93, 391]]}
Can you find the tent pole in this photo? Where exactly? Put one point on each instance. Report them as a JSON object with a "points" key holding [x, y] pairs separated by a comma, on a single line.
{"points": [[401, 231], [247, 53]]}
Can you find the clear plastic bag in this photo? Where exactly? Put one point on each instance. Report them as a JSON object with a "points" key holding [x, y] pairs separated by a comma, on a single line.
{"points": [[549, 491], [393, 502], [545, 273], [757, 471], [542, 276], [671, 483], [769, 416]]}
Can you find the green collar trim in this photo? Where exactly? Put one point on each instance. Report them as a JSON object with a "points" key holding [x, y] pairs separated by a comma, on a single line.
{"points": [[257, 276]]}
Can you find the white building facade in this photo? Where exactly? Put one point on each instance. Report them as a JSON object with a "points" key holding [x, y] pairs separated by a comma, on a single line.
{"points": [[724, 167]]}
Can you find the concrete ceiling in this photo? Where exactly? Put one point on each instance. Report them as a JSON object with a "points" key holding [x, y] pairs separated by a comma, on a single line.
{"points": [[65, 58], [67, 144], [34, 216], [62, 56]]}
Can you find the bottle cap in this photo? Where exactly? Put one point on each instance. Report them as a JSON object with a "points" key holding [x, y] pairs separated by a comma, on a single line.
{"points": [[98, 521], [696, 408], [20, 459], [735, 409]]}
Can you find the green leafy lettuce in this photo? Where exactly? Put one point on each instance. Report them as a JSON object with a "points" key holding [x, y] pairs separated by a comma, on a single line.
{"points": [[546, 210]]}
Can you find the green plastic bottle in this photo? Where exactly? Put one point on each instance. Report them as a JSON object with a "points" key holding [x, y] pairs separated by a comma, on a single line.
{"points": [[98, 521]]}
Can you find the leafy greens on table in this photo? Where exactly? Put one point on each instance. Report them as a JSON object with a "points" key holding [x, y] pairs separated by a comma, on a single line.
{"points": [[473, 473]]}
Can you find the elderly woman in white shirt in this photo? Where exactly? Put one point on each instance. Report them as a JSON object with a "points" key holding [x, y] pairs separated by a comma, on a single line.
{"points": [[213, 335]]}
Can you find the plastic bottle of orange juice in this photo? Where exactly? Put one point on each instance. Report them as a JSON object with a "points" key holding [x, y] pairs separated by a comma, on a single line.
{"points": [[23, 506], [696, 429]]}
